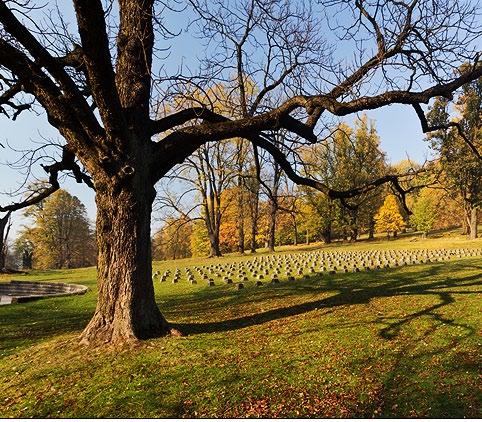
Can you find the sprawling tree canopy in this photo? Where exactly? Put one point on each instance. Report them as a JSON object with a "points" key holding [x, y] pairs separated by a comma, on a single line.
{"points": [[105, 84]]}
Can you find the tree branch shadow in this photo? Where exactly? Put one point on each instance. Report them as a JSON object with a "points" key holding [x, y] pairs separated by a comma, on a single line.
{"points": [[353, 294]]}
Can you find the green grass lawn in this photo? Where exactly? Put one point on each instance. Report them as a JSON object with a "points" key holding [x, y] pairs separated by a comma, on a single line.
{"points": [[402, 342]]}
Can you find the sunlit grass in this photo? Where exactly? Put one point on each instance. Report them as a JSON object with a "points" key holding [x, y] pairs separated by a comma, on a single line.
{"points": [[401, 342]]}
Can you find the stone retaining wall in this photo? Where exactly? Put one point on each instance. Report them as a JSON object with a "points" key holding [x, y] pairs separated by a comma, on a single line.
{"points": [[23, 291]]}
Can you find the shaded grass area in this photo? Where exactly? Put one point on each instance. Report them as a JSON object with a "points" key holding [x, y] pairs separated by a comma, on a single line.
{"points": [[402, 342], [27, 323]]}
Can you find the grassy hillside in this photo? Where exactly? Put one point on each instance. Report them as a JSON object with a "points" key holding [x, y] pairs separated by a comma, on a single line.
{"points": [[400, 342]]}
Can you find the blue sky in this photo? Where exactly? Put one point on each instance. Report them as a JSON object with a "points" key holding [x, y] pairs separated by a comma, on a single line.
{"points": [[398, 127]]}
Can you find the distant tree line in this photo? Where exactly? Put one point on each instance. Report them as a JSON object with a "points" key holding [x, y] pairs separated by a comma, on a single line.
{"points": [[229, 208]]}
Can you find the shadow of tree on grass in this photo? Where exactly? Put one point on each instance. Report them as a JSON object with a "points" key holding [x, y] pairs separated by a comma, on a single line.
{"points": [[30, 323], [352, 293]]}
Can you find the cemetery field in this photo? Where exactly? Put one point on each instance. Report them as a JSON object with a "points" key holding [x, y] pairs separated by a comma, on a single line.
{"points": [[402, 341]]}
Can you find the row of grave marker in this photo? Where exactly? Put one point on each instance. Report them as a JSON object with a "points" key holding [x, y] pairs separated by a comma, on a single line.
{"points": [[308, 264]]}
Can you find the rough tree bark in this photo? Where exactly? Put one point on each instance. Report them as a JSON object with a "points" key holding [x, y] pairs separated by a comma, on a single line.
{"points": [[273, 205], [27, 259], [254, 232], [126, 308]]}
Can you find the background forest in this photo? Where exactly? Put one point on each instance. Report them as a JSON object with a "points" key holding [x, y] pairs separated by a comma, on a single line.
{"points": [[225, 208]]}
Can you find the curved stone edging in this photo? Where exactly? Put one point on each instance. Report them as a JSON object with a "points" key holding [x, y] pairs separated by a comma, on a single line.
{"points": [[22, 291]]}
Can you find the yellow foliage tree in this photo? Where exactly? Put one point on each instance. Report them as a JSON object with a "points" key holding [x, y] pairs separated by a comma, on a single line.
{"points": [[62, 236], [388, 218]]}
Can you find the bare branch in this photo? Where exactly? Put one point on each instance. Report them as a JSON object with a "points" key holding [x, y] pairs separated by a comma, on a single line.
{"points": [[67, 163], [95, 45]]}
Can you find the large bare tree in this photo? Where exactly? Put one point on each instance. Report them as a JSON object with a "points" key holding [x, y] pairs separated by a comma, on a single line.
{"points": [[99, 93]]}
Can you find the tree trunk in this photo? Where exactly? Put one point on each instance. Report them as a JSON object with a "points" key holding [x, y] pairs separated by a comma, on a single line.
{"points": [[3, 255], [295, 230], [254, 223], [213, 222], [214, 249], [241, 237], [472, 220], [354, 225], [4, 229], [326, 234], [241, 234], [126, 308], [371, 229], [213, 234], [354, 234], [240, 206], [27, 260], [326, 237], [272, 225], [465, 225]]}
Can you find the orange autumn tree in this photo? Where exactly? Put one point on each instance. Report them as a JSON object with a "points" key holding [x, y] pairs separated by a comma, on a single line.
{"points": [[228, 231]]}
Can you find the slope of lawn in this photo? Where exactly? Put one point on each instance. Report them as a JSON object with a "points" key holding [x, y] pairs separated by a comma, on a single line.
{"points": [[402, 342]]}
